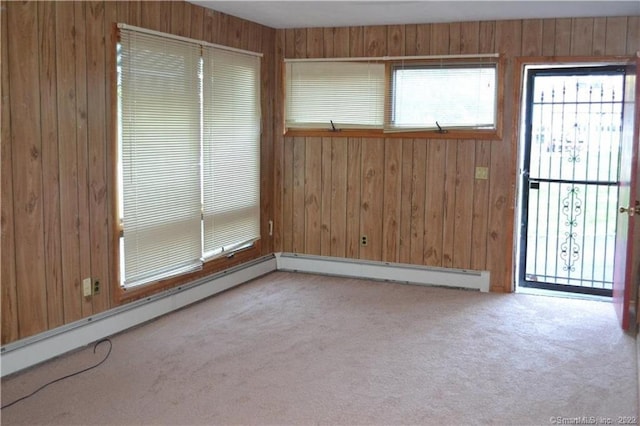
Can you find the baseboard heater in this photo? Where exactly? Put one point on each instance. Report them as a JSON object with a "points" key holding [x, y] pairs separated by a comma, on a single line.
{"points": [[33, 350], [384, 271]]}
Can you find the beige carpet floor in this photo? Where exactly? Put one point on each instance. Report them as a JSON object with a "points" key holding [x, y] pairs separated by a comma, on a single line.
{"points": [[298, 349]]}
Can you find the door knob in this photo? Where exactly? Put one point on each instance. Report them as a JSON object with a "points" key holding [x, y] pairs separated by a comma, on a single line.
{"points": [[631, 211]]}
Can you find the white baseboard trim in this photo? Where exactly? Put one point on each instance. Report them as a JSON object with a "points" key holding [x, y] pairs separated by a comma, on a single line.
{"points": [[385, 271], [33, 350]]}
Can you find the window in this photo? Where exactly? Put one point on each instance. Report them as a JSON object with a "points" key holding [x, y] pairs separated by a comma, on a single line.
{"points": [[394, 95], [189, 151], [453, 96], [349, 94]]}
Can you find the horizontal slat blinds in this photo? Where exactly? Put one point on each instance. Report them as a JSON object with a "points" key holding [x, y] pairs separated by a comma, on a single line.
{"points": [[231, 150], [455, 96], [351, 94], [160, 154]]}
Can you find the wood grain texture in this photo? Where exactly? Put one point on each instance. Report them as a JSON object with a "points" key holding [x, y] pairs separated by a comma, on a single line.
{"points": [[68, 160], [435, 203], [58, 148], [616, 36], [27, 168], [8, 292], [371, 204], [312, 195], [326, 197], [418, 204], [353, 213], [463, 216], [392, 193], [404, 250], [287, 196], [449, 208], [299, 213], [338, 219], [480, 209], [50, 168]]}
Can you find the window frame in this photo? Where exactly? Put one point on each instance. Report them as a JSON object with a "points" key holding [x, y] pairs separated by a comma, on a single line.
{"points": [[220, 261], [451, 133]]}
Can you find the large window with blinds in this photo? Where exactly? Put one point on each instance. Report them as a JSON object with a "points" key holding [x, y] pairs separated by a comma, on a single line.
{"points": [[188, 151]]}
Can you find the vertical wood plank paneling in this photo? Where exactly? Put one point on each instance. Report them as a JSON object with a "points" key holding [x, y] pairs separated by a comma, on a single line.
{"points": [[433, 219], [278, 143], [222, 29], [455, 38], [50, 170], [418, 187], [356, 41], [633, 35], [312, 195], [341, 42], [209, 25], [289, 43], [502, 171], [599, 36], [463, 211], [581, 36], [439, 41], [300, 43], [404, 251], [469, 37], [97, 150], [327, 42], [315, 42], [338, 229], [298, 228], [372, 199], [82, 148], [395, 40], [449, 211], [410, 39], [135, 12], [487, 35], [27, 168], [480, 209], [375, 40], [532, 37], [196, 26], [151, 15], [8, 292], [616, 38], [391, 193], [325, 222], [548, 37], [287, 196], [177, 18], [562, 41], [68, 160], [354, 164], [165, 16], [423, 40], [103, 300]]}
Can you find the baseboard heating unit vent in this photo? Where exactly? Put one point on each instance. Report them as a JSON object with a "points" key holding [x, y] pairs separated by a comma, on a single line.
{"points": [[49, 344], [384, 271]]}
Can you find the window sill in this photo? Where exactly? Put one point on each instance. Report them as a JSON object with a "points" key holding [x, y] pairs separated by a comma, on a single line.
{"points": [[210, 267], [369, 133]]}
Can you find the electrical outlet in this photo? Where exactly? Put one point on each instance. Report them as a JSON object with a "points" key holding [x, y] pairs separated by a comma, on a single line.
{"points": [[86, 287], [363, 240], [96, 287]]}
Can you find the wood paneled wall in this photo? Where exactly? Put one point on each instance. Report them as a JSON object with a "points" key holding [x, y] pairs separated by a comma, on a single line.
{"points": [[58, 70], [417, 199]]}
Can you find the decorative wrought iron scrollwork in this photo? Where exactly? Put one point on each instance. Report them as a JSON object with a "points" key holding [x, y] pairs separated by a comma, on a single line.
{"points": [[570, 250]]}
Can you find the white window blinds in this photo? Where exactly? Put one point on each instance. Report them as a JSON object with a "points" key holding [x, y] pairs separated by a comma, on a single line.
{"points": [[231, 198], [454, 96], [189, 152], [351, 94], [160, 156]]}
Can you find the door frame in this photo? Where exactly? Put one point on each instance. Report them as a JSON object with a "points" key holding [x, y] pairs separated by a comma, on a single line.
{"points": [[518, 124]]}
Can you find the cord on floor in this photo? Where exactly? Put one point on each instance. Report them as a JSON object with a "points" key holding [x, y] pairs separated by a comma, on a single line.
{"points": [[67, 376]]}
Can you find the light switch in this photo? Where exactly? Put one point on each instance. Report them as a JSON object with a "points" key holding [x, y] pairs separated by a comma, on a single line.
{"points": [[86, 287], [482, 173]]}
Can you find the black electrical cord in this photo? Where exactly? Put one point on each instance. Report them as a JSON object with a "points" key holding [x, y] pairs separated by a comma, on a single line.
{"points": [[65, 377]]}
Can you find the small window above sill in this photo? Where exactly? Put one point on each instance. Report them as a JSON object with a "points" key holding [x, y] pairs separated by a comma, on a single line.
{"points": [[491, 134]]}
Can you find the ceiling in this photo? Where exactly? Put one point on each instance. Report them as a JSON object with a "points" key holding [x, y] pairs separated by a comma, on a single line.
{"points": [[300, 14]]}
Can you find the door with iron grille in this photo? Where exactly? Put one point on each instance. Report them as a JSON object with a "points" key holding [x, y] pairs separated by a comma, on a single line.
{"points": [[569, 179]]}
